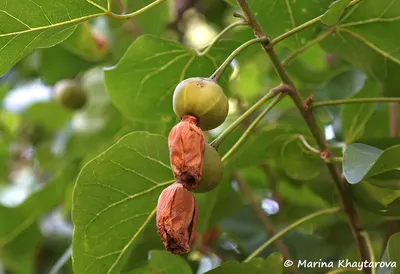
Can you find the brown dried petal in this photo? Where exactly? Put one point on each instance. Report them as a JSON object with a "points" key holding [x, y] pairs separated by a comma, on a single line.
{"points": [[186, 144], [176, 218]]}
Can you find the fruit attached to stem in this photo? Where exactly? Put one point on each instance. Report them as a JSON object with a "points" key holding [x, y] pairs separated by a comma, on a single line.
{"points": [[202, 98]]}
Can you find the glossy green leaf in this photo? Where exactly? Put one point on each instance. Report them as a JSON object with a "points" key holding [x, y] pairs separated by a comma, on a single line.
{"points": [[273, 264], [115, 198], [335, 11], [31, 24], [141, 85], [357, 160], [298, 162], [363, 162], [356, 116], [277, 17], [364, 38], [391, 256], [163, 262]]}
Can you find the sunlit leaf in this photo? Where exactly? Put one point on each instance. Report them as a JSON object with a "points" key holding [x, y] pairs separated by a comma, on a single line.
{"points": [[30, 25], [115, 198]]}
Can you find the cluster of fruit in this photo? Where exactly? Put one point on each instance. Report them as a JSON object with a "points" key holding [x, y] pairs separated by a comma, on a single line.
{"points": [[201, 104]]}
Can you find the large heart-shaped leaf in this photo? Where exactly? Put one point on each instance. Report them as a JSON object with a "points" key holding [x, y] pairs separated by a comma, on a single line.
{"points": [[141, 85], [363, 162], [355, 117], [364, 38], [115, 198], [40, 24]]}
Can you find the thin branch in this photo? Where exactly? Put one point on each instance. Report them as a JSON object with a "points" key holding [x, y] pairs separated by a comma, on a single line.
{"points": [[218, 73], [219, 36], [299, 222], [293, 31], [339, 180], [217, 141], [394, 119], [370, 249], [269, 228], [307, 145], [307, 46], [305, 25], [355, 101], [252, 126], [62, 261], [135, 13]]}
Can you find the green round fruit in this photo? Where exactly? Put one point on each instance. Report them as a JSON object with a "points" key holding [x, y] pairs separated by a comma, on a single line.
{"points": [[202, 98], [70, 94], [212, 170]]}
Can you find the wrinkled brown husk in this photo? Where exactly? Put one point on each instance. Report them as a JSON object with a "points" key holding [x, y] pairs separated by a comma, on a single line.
{"points": [[176, 218], [186, 143]]}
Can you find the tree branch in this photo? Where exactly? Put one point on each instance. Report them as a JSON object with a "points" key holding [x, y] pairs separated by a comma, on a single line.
{"points": [[354, 101], [318, 135]]}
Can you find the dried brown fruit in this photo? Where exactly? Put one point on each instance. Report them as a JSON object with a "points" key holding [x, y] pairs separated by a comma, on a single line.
{"points": [[186, 144], [202, 98], [176, 218]]}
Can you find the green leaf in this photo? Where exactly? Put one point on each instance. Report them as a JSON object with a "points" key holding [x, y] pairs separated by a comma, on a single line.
{"points": [[163, 262], [142, 84], [335, 12], [382, 201], [298, 162], [391, 258], [29, 25], [380, 168], [115, 198], [357, 160], [273, 264], [356, 116], [365, 38], [277, 17]]}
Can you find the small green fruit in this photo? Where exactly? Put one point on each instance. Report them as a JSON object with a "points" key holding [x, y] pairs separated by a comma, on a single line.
{"points": [[70, 94], [212, 170], [202, 98]]}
